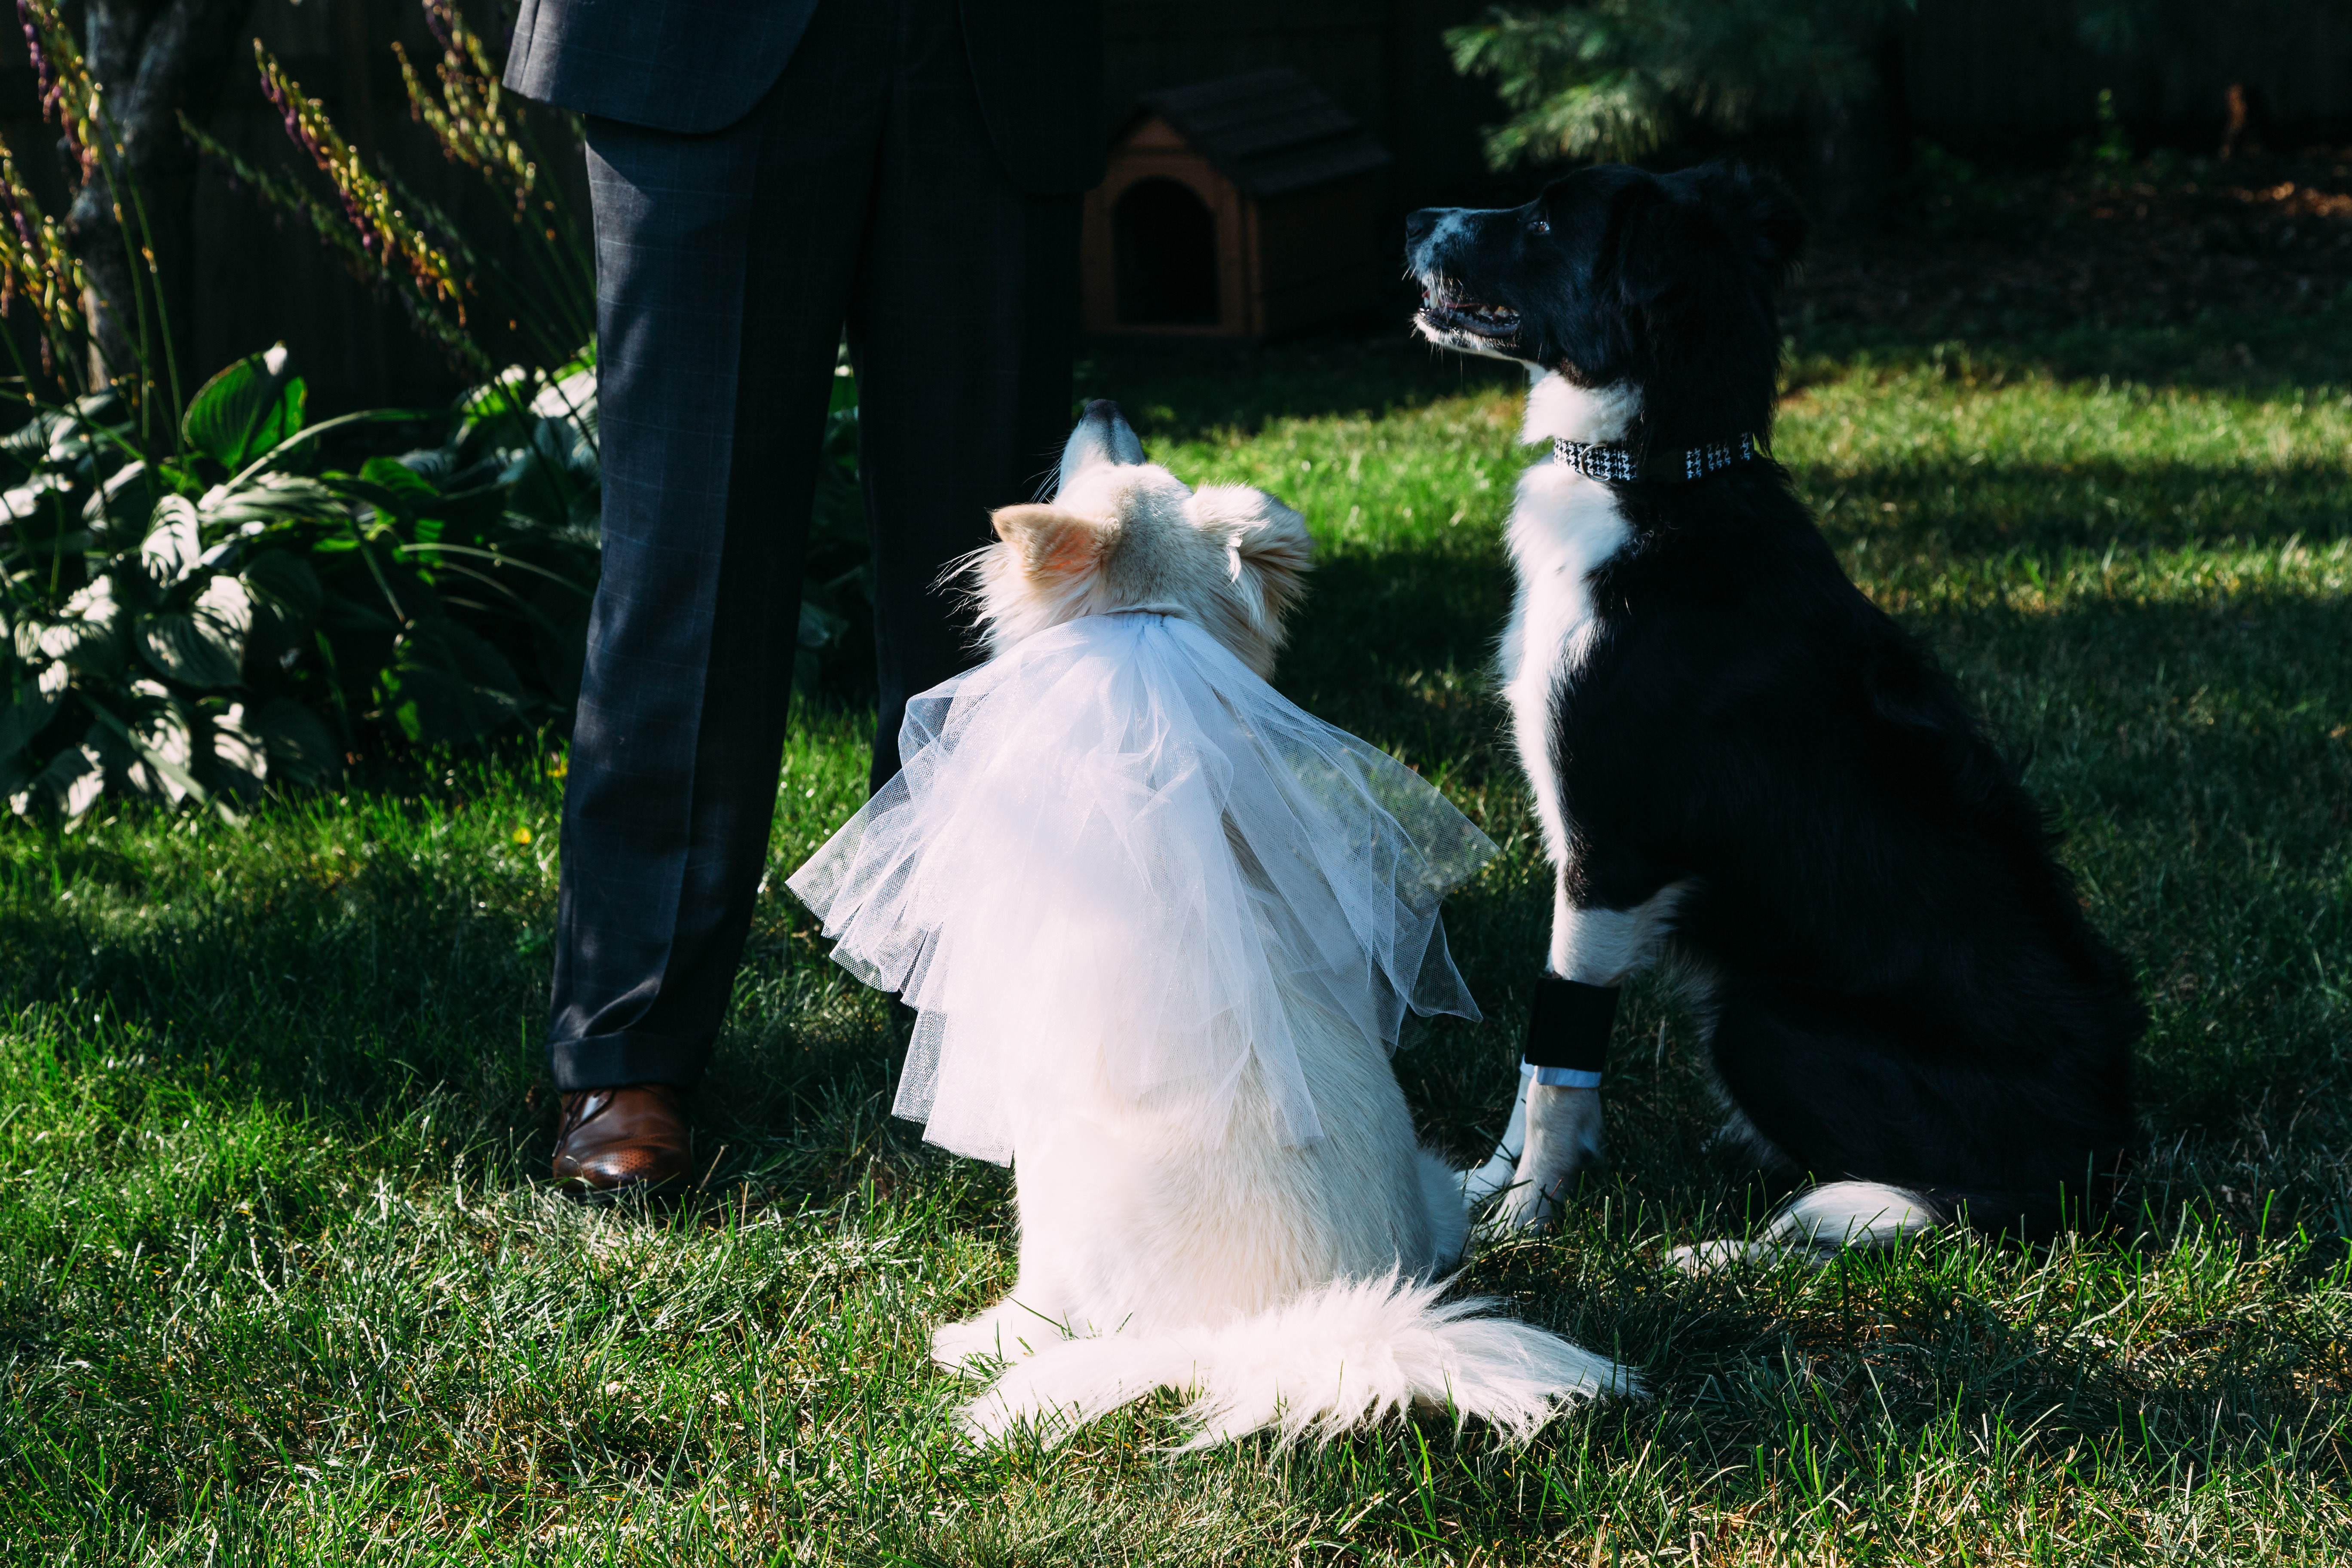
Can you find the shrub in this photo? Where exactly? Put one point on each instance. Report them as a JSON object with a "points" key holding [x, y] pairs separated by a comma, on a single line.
{"points": [[185, 628], [1619, 79]]}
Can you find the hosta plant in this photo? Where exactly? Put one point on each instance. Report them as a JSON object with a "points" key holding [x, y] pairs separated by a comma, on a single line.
{"points": [[189, 629]]}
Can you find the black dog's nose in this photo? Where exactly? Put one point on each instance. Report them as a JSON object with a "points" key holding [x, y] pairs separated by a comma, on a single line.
{"points": [[1419, 225]]}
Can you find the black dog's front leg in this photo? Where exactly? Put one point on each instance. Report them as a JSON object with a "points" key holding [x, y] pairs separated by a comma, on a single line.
{"points": [[1594, 950]]}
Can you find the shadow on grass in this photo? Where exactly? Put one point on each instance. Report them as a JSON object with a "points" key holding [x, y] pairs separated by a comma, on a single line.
{"points": [[1937, 513], [2249, 353], [1182, 391], [1397, 646]]}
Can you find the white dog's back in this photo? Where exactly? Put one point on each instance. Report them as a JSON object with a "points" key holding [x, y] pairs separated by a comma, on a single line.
{"points": [[1218, 1183]]}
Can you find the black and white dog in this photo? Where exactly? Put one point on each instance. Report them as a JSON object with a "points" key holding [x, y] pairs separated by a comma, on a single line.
{"points": [[1744, 766]]}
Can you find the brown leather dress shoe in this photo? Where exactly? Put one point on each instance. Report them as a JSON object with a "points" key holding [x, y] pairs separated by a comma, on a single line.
{"points": [[627, 1140]]}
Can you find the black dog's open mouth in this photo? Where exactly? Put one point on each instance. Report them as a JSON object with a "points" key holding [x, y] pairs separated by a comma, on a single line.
{"points": [[1441, 311]]}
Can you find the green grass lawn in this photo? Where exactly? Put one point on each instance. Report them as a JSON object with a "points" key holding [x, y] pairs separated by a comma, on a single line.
{"points": [[275, 1282]]}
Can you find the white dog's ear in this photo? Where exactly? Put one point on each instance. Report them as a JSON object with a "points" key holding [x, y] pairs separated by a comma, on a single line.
{"points": [[1054, 548], [1267, 545]]}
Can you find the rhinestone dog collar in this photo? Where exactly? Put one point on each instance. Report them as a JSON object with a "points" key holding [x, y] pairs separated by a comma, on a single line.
{"points": [[1618, 466]]}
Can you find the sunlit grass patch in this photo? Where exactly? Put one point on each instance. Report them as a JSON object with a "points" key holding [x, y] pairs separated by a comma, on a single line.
{"points": [[274, 1282]]}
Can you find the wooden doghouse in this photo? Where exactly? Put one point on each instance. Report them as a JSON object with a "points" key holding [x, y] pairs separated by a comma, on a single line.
{"points": [[1241, 208]]}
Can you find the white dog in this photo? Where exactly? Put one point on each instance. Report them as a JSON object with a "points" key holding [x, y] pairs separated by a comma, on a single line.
{"points": [[1160, 927]]}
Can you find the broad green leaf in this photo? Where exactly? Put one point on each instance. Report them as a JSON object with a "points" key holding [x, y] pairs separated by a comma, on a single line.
{"points": [[83, 785], [122, 506], [414, 490], [227, 605], [204, 645], [301, 749], [68, 783], [88, 631], [283, 583], [269, 498], [246, 410], [180, 646], [163, 744], [239, 749], [37, 496], [174, 541], [148, 745], [29, 443]]}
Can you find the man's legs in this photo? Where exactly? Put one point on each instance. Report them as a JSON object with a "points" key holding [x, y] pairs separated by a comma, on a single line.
{"points": [[962, 328], [724, 266], [961, 294]]}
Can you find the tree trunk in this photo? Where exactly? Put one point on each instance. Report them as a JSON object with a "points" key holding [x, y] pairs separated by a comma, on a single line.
{"points": [[151, 60]]}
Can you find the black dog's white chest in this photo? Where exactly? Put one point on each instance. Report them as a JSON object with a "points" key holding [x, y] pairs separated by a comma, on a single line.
{"points": [[1564, 529]]}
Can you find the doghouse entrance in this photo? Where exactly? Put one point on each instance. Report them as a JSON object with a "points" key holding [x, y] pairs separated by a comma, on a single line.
{"points": [[1164, 242]]}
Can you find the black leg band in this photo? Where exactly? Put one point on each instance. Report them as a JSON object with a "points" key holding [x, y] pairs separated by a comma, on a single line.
{"points": [[1568, 1027]]}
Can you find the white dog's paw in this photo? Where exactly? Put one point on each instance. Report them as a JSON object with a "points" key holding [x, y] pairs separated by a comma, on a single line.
{"points": [[997, 1415], [972, 1347], [1007, 1332], [978, 1346], [985, 1420], [1533, 1200]]}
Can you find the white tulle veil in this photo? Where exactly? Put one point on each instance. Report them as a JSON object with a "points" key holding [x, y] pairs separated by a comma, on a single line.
{"points": [[1116, 860]]}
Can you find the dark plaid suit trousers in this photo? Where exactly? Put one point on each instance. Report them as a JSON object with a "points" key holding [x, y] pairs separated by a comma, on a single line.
{"points": [[862, 189]]}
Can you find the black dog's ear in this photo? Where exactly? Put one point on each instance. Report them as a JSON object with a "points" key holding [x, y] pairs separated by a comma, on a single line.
{"points": [[1732, 208], [1653, 229], [1757, 210], [1779, 221], [1723, 210]]}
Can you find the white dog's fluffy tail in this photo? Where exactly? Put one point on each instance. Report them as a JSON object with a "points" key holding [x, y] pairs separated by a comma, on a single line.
{"points": [[1347, 1355]]}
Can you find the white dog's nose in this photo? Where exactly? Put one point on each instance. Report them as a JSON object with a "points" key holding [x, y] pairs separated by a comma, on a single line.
{"points": [[1103, 436]]}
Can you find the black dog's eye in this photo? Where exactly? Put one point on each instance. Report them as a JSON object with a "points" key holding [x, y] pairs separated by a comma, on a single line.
{"points": [[1539, 226]]}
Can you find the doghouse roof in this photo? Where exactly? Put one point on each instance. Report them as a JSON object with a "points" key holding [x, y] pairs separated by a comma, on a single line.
{"points": [[1268, 131]]}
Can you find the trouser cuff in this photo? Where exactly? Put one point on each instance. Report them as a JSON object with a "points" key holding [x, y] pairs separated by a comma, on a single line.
{"points": [[610, 1061]]}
